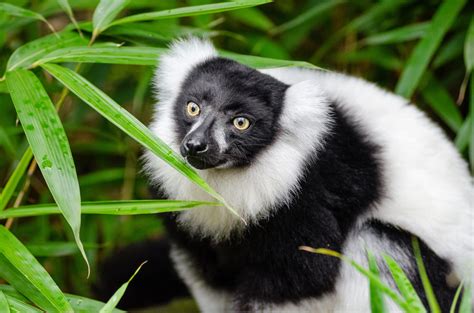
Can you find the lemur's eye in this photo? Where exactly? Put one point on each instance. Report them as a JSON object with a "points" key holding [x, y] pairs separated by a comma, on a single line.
{"points": [[241, 123], [193, 109]]}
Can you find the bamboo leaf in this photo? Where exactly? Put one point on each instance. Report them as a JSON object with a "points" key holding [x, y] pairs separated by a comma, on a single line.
{"points": [[25, 273], [108, 108], [21, 12], [397, 35], [430, 296], [135, 207], [190, 11], [436, 95], [26, 55], [114, 300], [105, 13], [469, 47], [425, 49], [471, 135], [377, 304], [15, 178], [18, 306], [252, 17], [64, 4], [4, 307], [49, 144], [404, 285], [462, 138]]}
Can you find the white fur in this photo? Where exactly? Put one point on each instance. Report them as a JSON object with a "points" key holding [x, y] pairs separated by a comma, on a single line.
{"points": [[427, 186]]}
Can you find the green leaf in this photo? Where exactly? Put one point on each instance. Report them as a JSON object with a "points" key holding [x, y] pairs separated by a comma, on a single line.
{"points": [[4, 307], [114, 300], [377, 304], [471, 135], [26, 55], [190, 11], [469, 47], [425, 49], [464, 134], [451, 50], [373, 279], [432, 302], [21, 12], [132, 207], [48, 140], [108, 108], [466, 302], [64, 4], [50, 249], [456, 298], [252, 17], [18, 306], [307, 15], [398, 35], [436, 95], [15, 178], [25, 273], [260, 62], [105, 13], [404, 285]]}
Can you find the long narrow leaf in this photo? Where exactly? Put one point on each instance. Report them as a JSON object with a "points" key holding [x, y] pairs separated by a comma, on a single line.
{"points": [[432, 302], [190, 11], [425, 49], [469, 47], [456, 298], [471, 135], [64, 4], [26, 55], [377, 304], [4, 307], [463, 136], [15, 178], [49, 143], [25, 273], [105, 13], [466, 302], [397, 35], [127, 123], [404, 285], [136, 207], [21, 12], [18, 306], [114, 300]]}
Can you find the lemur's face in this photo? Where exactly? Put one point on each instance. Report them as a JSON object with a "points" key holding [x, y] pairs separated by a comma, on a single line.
{"points": [[226, 113]]}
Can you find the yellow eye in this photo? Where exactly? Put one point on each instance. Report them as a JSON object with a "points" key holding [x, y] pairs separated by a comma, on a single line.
{"points": [[241, 123], [193, 109]]}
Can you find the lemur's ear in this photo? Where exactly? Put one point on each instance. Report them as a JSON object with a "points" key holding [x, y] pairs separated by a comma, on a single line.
{"points": [[175, 65]]}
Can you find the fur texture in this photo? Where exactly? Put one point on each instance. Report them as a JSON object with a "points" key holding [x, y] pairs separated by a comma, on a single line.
{"points": [[345, 152]]}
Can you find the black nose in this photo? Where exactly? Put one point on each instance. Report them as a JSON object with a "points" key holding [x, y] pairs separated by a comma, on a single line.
{"points": [[195, 146]]}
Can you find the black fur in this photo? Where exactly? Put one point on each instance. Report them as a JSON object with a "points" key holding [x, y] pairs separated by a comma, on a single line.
{"points": [[225, 89], [264, 264]]}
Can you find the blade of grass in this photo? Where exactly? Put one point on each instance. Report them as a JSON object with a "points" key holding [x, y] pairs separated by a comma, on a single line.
{"points": [[15, 178], [439, 99], [377, 304], [383, 287], [425, 49], [462, 138], [64, 4], [108, 108], [21, 12], [49, 143], [398, 35], [29, 53], [18, 306], [105, 13], [114, 300], [252, 17], [456, 298], [466, 302], [25, 273], [404, 285], [469, 47], [430, 296], [135, 207], [190, 11], [471, 135], [4, 307]]}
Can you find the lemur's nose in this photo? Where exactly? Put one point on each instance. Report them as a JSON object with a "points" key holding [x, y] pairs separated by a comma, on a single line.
{"points": [[195, 146]]}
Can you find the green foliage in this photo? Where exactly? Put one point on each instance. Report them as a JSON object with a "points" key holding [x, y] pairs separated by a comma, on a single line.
{"points": [[400, 44]]}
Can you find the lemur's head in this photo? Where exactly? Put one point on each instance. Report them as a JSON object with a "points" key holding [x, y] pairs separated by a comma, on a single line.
{"points": [[226, 113]]}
